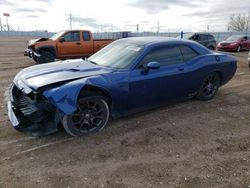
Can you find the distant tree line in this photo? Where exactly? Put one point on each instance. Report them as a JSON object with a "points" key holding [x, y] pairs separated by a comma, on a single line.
{"points": [[239, 22]]}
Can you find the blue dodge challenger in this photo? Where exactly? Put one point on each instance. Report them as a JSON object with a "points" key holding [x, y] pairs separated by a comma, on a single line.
{"points": [[129, 75]]}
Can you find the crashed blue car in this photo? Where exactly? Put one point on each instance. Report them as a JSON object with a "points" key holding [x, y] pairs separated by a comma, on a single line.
{"points": [[127, 76]]}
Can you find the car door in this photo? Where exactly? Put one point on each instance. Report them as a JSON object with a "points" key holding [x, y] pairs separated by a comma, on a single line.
{"points": [[71, 45], [87, 47], [170, 82], [202, 39]]}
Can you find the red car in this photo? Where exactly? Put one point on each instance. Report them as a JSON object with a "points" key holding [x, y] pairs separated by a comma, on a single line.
{"points": [[235, 43]]}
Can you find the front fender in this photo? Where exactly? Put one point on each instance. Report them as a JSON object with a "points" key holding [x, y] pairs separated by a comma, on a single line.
{"points": [[65, 96]]}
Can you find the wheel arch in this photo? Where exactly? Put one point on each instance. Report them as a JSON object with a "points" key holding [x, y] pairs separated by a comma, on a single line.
{"points": [[51, 49], [95, 89], [220, 75]]}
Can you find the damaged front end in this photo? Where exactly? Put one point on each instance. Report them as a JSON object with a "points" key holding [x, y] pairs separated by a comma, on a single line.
{"points": [[31, 112]]}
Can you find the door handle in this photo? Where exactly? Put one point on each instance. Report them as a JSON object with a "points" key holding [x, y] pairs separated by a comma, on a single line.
{"points": [[78, 43], [181, 69]]}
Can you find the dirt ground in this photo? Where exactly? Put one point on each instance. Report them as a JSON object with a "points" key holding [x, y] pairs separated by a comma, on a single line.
{"points": [[191, 144]]}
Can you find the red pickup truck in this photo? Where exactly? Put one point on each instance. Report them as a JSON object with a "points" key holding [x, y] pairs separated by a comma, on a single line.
{"points": [[64, 45]]}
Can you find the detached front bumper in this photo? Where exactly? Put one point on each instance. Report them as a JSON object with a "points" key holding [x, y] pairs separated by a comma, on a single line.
{"points": [[29, 52], [28, 116]]}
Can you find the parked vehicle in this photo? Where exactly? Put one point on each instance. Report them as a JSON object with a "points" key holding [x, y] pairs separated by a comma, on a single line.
{"points": [[127, 76], [234, 43], [206, 39], [64, 45]]}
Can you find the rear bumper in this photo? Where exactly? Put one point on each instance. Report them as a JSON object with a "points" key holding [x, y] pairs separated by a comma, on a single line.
{"points": [[29, 52]]}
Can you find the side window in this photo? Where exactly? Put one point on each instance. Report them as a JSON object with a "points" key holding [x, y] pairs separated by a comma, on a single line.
{"points": [[188, 53], [210, 37], [72, 36], [164, 56], [86, 36], [203, 37]]}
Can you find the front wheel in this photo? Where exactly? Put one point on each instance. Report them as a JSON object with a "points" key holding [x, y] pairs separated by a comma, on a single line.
{"points": [[46, 57], [91, 116], [209, 87], [211, 48], [238, 48]]}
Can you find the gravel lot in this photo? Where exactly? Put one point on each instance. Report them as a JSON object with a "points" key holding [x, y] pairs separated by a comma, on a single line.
{"points": [[190, 144]]}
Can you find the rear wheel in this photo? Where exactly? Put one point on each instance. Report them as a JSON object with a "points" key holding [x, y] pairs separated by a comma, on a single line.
{"points": [[91, 116], [211, 48], [46, 57], [209, 87]]}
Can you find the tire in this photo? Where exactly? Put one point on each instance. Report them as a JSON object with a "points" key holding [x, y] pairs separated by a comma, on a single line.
{"points": [[46, 57], [209, 87], [91, 116], [35, 59], [211, 48], [238, 49]]}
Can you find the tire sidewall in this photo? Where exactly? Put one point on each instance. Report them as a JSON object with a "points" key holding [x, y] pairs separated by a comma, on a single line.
{"points": [[238, 48], [44, 58], [74, 131], [201, 95]]}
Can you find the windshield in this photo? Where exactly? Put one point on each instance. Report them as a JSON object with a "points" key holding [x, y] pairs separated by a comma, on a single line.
{"points": [[234, 38], [57, 35], [118, 54]]}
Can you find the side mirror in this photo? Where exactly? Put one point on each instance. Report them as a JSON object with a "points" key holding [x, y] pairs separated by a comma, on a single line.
{"points": [[61, 39], [151, 65]]}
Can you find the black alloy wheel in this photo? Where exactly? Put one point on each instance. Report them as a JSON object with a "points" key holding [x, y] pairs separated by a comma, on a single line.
{"points": [[209, 87], [91, 116]]}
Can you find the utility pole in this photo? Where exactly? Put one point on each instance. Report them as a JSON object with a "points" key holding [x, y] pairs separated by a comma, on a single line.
{"points": [[137, 28], [70, 21], [158, 27]]}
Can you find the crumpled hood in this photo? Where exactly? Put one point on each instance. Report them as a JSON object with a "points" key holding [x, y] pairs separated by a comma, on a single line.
{"points": [[41, 75], [33, 41]]}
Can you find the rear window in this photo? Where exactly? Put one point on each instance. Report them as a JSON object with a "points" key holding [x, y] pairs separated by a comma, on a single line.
{"points": [[188, 53]]}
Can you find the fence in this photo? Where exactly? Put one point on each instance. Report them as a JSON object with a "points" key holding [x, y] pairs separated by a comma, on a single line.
{"points": [[219, 36], [27, 33]]}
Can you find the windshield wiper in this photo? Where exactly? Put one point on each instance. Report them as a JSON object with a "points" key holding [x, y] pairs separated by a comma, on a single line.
{"points": [[86, 59], [93, 62]]}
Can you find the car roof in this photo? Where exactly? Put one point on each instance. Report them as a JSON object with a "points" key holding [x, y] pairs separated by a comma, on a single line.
{"points": [[155, 41], [144, 41]]}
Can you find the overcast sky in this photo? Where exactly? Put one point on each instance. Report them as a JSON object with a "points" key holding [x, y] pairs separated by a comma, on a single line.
{"points": [[117, 15]]}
